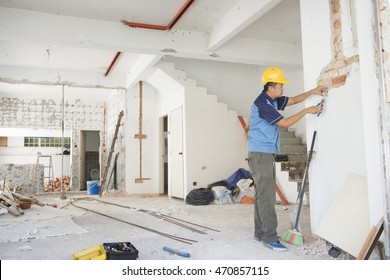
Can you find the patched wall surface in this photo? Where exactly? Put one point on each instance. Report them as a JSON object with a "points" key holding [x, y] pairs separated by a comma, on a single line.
{"points": [[47, 113], [27, 176]]}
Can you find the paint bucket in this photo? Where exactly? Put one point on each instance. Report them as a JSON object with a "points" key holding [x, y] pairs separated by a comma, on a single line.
{"points": [[93, 187]]}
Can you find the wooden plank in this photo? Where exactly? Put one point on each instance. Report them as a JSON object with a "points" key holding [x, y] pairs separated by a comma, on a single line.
{"points": [[281, 196], [371, 241]]}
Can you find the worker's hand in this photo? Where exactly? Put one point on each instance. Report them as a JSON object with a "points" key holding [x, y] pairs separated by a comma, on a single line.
{"points": [[320, 90], [314, 110]]}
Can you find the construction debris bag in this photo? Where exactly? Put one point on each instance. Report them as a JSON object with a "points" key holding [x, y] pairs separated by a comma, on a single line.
{"points": [[246, 188], [222, 195], [241, 173]]}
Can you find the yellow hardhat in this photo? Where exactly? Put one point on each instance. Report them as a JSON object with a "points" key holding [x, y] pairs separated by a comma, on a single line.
{"points": [[273, 75]]}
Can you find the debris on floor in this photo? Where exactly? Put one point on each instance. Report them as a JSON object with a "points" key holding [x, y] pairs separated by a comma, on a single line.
{"points": [[70, 229], [14, 202], [238, 188], [323, 249], [55, 184]]}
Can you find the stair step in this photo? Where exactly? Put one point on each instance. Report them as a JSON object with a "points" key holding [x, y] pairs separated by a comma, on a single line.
{"points": [[293, 166], [287, 134], [291, 141], [295, 176], [295, 156], [293, 149]]}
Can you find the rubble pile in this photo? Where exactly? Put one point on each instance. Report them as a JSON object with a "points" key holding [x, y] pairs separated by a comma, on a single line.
{"points": [[55, 185], [14, 202]]}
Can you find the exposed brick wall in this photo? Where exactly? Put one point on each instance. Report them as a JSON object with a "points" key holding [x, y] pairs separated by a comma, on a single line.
{"points": [[335, 74]]}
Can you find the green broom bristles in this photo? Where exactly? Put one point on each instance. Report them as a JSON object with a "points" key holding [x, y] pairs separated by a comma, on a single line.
{"points": [[294, 237]]}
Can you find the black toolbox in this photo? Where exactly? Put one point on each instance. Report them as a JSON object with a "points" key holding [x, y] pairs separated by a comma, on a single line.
{"points": [[120, 251]]}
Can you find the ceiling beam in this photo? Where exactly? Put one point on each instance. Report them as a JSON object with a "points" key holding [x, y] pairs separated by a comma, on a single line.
{"points": [[237, 19], [261, 52], [24, 75], [26, 26], [139, 71]]}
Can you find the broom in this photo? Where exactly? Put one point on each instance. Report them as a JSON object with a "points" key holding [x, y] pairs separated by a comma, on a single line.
{"points": [[294, 236]]}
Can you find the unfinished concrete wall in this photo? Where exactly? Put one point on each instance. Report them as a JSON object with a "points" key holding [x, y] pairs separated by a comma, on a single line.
{"points": [[384, 14], [23, 175], [115, 104], [47, 114], [382, 31]]}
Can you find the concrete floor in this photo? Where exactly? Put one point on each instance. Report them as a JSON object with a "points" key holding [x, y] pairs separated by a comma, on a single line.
{"points": [[49, 233]]}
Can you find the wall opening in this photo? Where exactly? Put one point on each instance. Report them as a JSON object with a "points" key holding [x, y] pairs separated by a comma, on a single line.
{"points": [[89, 157]]}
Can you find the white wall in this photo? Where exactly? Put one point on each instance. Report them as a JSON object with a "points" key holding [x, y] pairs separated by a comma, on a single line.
{"points": [[238, 85], [216, 144], [235, 84], [16, 153], [341, 145]]}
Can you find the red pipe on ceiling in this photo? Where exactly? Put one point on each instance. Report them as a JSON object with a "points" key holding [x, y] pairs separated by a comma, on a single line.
{"points": [[112, 63], [178, 15], [175, 19]]}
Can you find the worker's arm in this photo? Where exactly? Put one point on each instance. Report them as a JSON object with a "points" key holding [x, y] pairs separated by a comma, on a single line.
{"points": [[320, 90], [287, 122]]}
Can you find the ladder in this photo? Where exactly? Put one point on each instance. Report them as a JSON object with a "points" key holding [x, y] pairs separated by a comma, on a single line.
{"points": [[48, 171], [107, 167]]}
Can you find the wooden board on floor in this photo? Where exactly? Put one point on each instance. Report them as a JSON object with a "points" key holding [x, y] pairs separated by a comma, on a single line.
{"points": [[346, 224], [371, 241]]}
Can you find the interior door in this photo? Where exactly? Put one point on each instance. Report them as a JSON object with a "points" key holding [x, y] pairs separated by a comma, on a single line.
{"points": [[176, 153]]}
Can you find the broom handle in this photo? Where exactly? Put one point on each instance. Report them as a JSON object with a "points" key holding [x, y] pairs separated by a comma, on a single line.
{"points": [[302, 191]]}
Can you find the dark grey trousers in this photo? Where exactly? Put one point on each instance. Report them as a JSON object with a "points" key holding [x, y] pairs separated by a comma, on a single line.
{"points": [[262, 168]]}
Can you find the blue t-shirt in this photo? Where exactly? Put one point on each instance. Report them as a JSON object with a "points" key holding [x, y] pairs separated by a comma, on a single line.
{"points": [[263, 132]]}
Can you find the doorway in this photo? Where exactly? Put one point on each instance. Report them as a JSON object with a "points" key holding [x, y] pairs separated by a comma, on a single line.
{"points": [[176, 160], [164, 155], [89, 157]]}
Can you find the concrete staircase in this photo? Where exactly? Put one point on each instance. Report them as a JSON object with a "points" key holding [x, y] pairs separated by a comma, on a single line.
{"points": [[292, 146]]}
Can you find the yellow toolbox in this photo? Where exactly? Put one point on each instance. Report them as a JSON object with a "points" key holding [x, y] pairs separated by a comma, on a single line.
{"points": [[94, 253]]}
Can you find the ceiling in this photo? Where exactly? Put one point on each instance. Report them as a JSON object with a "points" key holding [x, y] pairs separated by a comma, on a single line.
{"points": [[45, 44]]}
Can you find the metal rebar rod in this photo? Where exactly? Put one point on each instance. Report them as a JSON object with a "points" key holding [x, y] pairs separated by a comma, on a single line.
{"points": [[177, 238], [163, 215]]}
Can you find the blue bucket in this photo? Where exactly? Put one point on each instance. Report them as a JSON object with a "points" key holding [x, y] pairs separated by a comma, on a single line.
{"points": [[93, 187]]}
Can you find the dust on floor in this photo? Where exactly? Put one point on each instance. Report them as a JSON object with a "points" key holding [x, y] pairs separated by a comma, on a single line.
{"points": [[217, 232]]}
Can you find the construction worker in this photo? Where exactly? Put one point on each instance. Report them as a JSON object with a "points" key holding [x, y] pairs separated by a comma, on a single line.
{"points": [[264, 141]]}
